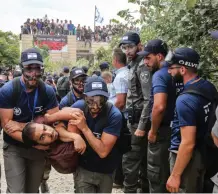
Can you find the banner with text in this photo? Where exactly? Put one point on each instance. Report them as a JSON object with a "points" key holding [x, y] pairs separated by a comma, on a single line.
{"points": [[54, 43]]}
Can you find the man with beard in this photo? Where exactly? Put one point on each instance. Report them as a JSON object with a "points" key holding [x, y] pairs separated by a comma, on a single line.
{"points": [[190, 124], [162, 100], [77, 80], [24, 166], [98, 163], [137, 105]]}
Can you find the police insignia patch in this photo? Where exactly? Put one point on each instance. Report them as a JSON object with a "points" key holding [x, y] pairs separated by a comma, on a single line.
{"points": [[17, 111], [144, 76]]}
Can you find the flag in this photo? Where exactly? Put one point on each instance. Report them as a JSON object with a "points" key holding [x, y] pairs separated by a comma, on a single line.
{"points": [[98, 17]]}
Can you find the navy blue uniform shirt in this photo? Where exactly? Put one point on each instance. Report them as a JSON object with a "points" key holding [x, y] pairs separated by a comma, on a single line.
{"points": [[90, 159], [192, 110], [162, 83], [23, 112], [65, 100]]}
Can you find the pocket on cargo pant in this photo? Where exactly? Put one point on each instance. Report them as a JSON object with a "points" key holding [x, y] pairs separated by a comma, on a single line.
{"points": [[154, 162]]}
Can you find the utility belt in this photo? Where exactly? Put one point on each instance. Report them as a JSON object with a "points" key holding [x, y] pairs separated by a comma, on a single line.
{"points": [[134, 115]]}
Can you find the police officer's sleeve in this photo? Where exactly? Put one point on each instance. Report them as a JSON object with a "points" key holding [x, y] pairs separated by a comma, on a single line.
{"points": [[64, 102], [145, 79], [52, 98], [6, 100]]}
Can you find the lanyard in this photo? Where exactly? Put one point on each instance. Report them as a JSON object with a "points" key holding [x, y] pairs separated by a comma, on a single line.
{"points": [[34, 102], [190, 81]]}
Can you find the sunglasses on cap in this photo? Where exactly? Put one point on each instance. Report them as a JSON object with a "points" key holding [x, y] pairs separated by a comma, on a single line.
{"points": [[95, 100]]}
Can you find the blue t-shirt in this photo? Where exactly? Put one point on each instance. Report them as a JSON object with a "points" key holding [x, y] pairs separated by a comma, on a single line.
{"points": [[65, 101], [71, 27], [162, 82], [23, 112], [192, 110], [90, 159]]}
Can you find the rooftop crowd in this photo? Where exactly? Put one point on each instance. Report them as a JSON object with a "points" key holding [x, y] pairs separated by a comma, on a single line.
{"points": [[48, 26]]}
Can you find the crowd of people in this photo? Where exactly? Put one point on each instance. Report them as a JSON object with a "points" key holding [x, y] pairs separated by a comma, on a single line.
{"points": [[66, 27], [142, 127]]}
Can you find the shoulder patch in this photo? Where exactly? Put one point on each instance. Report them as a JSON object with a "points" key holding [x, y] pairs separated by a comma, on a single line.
{"points": [[145, 76]]}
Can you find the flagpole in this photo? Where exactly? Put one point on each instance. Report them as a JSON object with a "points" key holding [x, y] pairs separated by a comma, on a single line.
{"points": [[94, 18]]}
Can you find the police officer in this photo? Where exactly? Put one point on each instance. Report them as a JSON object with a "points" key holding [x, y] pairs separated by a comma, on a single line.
{"points": [[137, 104], [190, 124], [24, 166], [77, 81], [163, 96], [98, 163]]}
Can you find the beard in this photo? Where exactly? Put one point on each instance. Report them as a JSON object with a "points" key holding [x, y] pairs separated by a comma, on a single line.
{"points": [[29, 85], [155, 68], [178, 78], [28, 79], [77, 90], [132, 56]]}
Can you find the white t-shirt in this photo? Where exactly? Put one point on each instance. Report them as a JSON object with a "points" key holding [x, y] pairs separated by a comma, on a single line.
{"points": [[65, 26]]}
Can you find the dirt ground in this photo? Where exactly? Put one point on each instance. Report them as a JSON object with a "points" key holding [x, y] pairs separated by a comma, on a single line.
{"points": [[58, 183]]}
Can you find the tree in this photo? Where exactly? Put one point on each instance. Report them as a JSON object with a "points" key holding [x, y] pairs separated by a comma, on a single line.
{"points": [[181, 23], [9, 49]]}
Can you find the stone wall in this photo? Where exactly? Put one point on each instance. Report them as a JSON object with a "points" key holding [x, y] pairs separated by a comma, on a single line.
{"points": [[74, 48]]}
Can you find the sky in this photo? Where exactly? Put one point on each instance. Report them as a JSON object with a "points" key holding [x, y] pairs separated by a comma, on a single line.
{"points": [[13, 13]]}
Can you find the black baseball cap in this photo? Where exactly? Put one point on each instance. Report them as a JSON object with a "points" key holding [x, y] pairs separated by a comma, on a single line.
{"points": [[214, 34], [85, 69], [130, 38], [184, 56], [76, 72], [66, 69], [154, 47], [31, 56], [96, 86], [104, 65]]}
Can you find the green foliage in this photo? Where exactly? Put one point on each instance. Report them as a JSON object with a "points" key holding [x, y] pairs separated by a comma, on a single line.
{"points": [[9, 49], [44, 51], [56, 66], [181, 23], [51, 66], [81, 62]]}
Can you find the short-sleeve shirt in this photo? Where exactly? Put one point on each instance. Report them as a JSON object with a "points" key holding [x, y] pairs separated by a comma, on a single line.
{"points": [[23, 111], [162, 83], [119, 85], [192, 110], [90, 159]]}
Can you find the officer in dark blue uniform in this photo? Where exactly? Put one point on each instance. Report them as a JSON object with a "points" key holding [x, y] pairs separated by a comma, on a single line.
{"points": [[97, 165], [77, 80], [190, 124], [24, 165], [162, 100]]}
